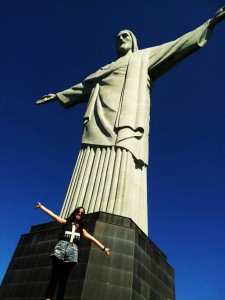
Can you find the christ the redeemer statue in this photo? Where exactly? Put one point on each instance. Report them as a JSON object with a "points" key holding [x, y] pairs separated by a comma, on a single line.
{"points": [[110, 172]]}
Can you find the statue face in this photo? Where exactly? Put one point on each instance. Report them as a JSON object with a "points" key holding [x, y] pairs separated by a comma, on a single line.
{"points": [[123, 42]]}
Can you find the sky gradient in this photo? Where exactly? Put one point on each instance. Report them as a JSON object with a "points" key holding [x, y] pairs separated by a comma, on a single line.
{"points": [[48, 46]]}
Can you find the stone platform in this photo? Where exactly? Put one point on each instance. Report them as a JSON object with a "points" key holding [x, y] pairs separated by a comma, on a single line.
{"points": [[137, 269]]}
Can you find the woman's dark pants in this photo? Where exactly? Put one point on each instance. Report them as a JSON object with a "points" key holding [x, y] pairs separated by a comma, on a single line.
{"points": [[60, 275]]}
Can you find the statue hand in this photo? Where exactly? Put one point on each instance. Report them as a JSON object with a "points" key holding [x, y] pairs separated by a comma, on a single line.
{"points": [[46, 99], [218, 17]]}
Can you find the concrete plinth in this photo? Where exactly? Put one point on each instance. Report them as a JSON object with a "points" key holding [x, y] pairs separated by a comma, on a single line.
{"points": [[137, 269]]}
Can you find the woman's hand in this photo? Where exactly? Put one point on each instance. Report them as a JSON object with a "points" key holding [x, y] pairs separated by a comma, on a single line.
{"points": [[38, 205], [107, 252]]}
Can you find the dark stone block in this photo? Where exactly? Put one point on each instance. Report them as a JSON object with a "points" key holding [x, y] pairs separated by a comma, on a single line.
{"points": [[137, 270]]}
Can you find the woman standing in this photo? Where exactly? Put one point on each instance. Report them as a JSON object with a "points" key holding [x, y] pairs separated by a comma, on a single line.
{"points": [[65, 253]]}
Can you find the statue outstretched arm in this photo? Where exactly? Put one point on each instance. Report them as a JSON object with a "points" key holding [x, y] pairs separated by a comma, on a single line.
{"points": [[72, 96], [218, 17], [46, 99], [164, 57]]}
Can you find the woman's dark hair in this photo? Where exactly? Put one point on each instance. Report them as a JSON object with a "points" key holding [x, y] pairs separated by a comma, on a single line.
{"points": [[70, 219]]}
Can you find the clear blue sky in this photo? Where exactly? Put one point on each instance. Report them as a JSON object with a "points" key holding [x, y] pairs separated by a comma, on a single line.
{"points": [[49, 45]]}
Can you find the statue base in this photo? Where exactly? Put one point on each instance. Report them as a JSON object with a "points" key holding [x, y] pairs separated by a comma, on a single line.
{"points": [[137, 269]]}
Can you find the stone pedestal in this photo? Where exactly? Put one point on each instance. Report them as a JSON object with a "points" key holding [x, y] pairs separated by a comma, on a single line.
{"points": [[137, 269]]}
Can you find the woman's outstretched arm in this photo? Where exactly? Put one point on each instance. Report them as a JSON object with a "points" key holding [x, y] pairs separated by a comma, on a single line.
{"points": [[96, 242], [50, 213]]}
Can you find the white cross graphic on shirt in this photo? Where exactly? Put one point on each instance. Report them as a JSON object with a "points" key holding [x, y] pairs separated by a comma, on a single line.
{"points": [[72, 233]]}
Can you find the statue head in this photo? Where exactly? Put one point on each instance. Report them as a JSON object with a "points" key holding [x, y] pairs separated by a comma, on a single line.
{"points": [[125, 41]]}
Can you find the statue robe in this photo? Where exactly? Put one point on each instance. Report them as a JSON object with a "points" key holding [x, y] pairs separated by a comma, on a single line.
{"points": [[110, 172]]}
